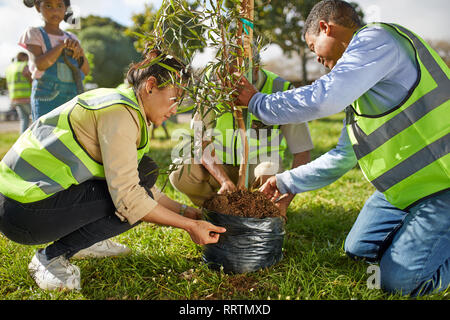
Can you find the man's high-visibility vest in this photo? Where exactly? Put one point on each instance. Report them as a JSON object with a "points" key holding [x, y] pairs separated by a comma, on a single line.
{"points": [[18, 86], [264, 140], [47, 158], [404, 153]]}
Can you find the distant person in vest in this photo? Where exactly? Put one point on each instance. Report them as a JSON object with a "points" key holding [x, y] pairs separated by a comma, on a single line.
{"points": [[18, 80], [219, 168], [395, 89], [80, 176], [57, 61]]}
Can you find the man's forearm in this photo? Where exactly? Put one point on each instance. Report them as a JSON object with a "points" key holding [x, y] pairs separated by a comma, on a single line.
{"points": [[322, 171]]}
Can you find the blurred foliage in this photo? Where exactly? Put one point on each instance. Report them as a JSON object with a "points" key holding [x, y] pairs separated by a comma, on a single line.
{"points": [[112, 53], [183, 28], [97, 21], [90, 57], [281, 22], [2, 83], [108, 49], [442, 47]]}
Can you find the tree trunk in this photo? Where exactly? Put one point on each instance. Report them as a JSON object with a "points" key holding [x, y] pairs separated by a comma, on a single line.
{"points": [[247, 12], [303, 57]]}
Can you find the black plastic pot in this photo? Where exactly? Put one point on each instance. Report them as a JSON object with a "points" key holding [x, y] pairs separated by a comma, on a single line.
{"points": [[248, 245]]}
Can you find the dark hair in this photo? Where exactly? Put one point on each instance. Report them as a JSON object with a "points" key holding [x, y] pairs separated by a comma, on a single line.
{"points": [[37, 3], [337, 11], [162, 66]]}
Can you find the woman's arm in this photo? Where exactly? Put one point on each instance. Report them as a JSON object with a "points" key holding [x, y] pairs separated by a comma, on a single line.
{"points": [[175, 206], [201, 232]]}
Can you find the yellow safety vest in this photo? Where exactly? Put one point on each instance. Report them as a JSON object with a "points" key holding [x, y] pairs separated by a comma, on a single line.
{"points": [[264, 140], [47, 158], [18, 86], [404, 153]]}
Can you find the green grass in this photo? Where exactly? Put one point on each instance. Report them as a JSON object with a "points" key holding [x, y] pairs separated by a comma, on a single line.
{"points": [[166, 264]]}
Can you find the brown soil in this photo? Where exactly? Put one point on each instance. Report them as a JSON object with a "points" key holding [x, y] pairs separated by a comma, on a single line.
{"points": [[243, 203]]}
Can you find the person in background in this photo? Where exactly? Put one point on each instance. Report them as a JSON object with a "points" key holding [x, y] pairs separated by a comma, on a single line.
{"points": [[80, 175], [18, 80], [395, 89], [57, 61], [219, 168]]}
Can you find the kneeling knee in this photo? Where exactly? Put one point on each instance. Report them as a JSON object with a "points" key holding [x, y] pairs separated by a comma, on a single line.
{"points": [[396, 278], [358, 251]]}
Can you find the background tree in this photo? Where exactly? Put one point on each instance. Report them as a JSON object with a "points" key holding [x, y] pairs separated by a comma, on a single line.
{"points": [[281, 22], [183, 32], [109, 50], [442, 47], [97, 21]]}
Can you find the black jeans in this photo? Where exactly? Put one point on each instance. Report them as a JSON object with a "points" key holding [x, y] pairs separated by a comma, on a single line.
{"points": [[74, 219]]}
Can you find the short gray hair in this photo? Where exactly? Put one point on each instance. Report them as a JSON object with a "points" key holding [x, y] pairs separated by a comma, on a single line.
{"points": [[337, 11]]}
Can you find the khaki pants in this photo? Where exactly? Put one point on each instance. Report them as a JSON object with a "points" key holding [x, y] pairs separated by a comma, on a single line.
{"points": [[199, 185]]}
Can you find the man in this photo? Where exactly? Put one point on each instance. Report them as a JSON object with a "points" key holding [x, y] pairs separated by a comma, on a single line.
{"points": [[398, 89], [219, 171], [18, 79]]}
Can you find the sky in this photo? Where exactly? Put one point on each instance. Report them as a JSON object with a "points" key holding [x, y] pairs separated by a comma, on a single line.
{"points": [[427, 18]]}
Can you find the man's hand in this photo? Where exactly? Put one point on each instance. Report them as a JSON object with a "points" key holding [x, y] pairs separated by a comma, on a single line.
{"points": [[245, 91], [284, 203], [270, 189], [227, 186]]}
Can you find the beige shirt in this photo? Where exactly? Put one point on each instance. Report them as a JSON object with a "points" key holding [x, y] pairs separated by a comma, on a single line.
{"points": [[111, 136]]}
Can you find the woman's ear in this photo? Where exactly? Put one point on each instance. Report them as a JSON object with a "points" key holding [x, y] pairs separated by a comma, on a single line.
{"points": [[150, 84]]}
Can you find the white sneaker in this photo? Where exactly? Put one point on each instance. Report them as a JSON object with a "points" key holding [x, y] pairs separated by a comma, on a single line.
{"points": [[102, 249], [54, 274]]}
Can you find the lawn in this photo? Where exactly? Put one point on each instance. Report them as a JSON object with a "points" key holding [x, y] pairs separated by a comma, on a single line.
{"points": [[166, 264]]}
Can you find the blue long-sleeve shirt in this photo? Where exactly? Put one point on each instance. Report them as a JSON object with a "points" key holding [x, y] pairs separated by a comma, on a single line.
{"points": [[378, 63]]}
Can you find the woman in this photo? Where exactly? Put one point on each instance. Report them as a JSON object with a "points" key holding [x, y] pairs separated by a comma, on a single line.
{"points": [[79, 175], [57, 61]]}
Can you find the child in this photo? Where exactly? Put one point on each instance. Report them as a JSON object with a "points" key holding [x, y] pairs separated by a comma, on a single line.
{"points": [[54, 82]]}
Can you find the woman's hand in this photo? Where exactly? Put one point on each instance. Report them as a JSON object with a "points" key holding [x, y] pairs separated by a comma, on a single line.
{"points": [[203, 232], [193, 213]]}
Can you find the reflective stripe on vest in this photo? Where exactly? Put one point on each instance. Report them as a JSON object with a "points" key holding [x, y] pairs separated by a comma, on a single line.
{"points": [[263, 143], [47, 158], [404, 153], [18, 86]]}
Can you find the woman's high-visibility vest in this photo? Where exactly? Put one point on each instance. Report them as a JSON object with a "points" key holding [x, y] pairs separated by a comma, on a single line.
{"points": [[264, 140], [47, 157], [404, 153], [18, 86]]}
